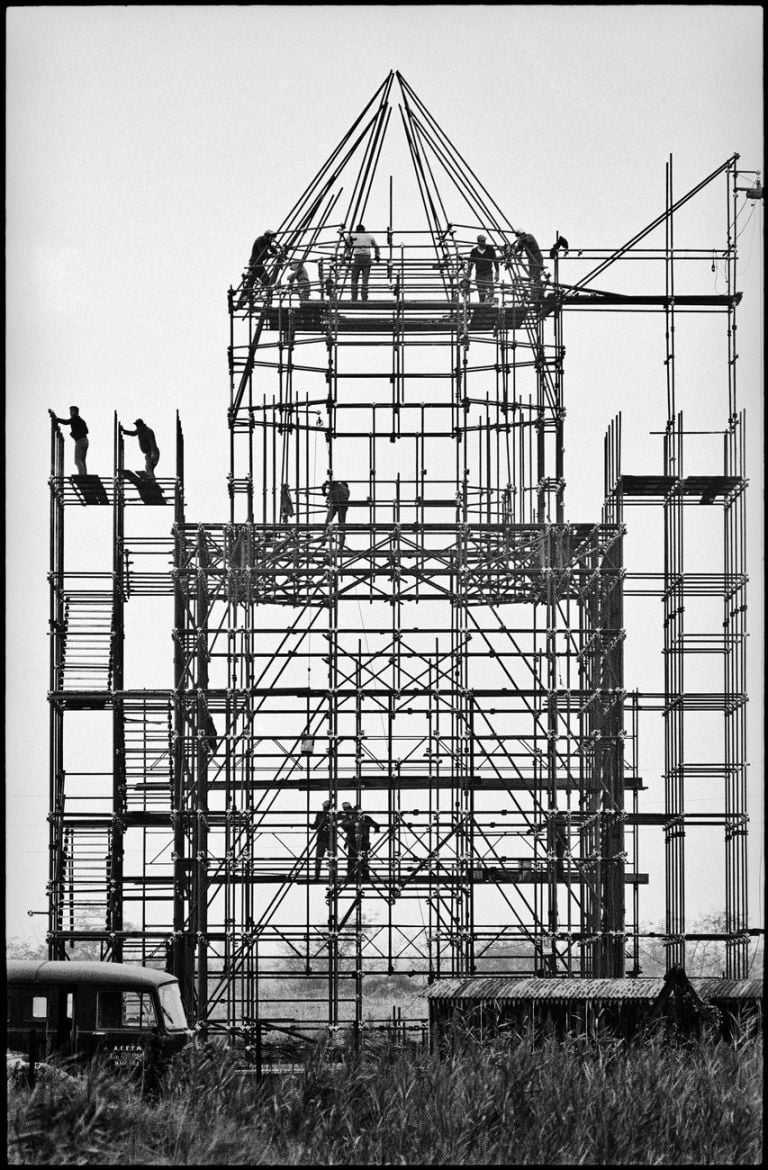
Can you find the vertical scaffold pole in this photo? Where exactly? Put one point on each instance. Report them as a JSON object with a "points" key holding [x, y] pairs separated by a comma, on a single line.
{"points": [[115, 877], [200, 809]]}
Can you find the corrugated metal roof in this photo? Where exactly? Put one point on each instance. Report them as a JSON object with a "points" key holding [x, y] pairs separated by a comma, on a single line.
{"points": [[545, 989], [643, 988], [728, 988]]}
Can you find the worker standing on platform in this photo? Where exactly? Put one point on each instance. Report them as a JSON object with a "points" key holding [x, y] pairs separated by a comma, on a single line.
{"points": [[79, 432], [300, 277], [362, 829], [485, 262], [148, 445], [337, 491], [360, 245], [264, 246], [324, 824], [527, 247]]}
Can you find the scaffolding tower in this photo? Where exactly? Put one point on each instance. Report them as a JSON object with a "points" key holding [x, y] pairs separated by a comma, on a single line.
{"points": [[449, 660]]}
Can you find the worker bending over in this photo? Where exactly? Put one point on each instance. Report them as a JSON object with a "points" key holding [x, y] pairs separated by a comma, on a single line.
{"points": [[79, 432], [264, 246], [528, 249], [300, 277], [147, 444]]}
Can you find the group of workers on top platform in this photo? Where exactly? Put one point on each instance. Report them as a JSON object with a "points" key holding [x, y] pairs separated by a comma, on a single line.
{"points": [[361, 251], [79, 431], [355, 828]]}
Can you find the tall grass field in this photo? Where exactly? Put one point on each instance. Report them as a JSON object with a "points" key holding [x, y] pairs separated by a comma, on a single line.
{"points": [[507, 1102]]}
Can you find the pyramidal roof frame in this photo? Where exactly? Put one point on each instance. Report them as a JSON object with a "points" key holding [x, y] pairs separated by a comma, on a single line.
{"points": [[432, 153]]}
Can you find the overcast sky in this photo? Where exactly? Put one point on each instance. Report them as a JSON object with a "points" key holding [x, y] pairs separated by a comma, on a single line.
{"points": [[147, 146]]}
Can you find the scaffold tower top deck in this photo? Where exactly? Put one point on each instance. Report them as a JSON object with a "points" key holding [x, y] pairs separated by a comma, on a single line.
{"points": [[397, 741]]}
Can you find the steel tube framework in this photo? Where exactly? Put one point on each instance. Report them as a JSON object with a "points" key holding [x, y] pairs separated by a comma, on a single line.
{"points": [[450, 659]]}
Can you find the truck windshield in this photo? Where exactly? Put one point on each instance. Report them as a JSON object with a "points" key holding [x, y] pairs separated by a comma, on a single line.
{"points": [[172, 1007]]}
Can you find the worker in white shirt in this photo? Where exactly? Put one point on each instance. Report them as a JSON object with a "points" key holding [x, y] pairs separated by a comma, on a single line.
{"points": [[361, 244]]}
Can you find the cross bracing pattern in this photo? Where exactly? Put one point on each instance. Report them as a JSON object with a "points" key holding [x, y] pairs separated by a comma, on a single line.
{"points": [[449, 655]]}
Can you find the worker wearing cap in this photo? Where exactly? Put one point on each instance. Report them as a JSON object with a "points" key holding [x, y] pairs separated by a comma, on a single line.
{"points": [[527, 247], [263, 247], [147, 444], [486, 264]]}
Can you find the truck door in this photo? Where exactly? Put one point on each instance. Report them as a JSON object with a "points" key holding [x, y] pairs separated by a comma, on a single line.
{"points": [[60, 1023], [27, 1018]]}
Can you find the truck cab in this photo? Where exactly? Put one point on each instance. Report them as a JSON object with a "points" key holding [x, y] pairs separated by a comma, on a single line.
{"points": [[75, 1009]]}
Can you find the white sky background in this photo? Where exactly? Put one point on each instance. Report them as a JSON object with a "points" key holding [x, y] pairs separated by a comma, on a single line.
{"points": [[147, 146]]}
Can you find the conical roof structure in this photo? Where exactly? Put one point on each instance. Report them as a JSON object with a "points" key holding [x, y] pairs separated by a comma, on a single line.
{"points": [[453, 198]]}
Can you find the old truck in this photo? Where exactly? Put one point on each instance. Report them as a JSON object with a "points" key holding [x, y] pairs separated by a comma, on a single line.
{"points": [[63, 1010]]}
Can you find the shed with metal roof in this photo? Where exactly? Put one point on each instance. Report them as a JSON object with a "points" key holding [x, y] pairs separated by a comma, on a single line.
{"points": [[488, 1004]]}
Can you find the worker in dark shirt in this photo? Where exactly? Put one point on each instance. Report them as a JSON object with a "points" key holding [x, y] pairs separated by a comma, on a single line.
{"points": [[79, 432], [485, 262], [528, 249], [362, 825], [337, 492], [264, 246], [148, 446], [324, 825]]}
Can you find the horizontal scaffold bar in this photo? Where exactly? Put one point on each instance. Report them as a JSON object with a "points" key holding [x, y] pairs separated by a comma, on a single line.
{"points": [[315, 317], [398, 783], [289, 819], [133, 488], [470, 527], [397, 316], [659, 487], [477, 875]]}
